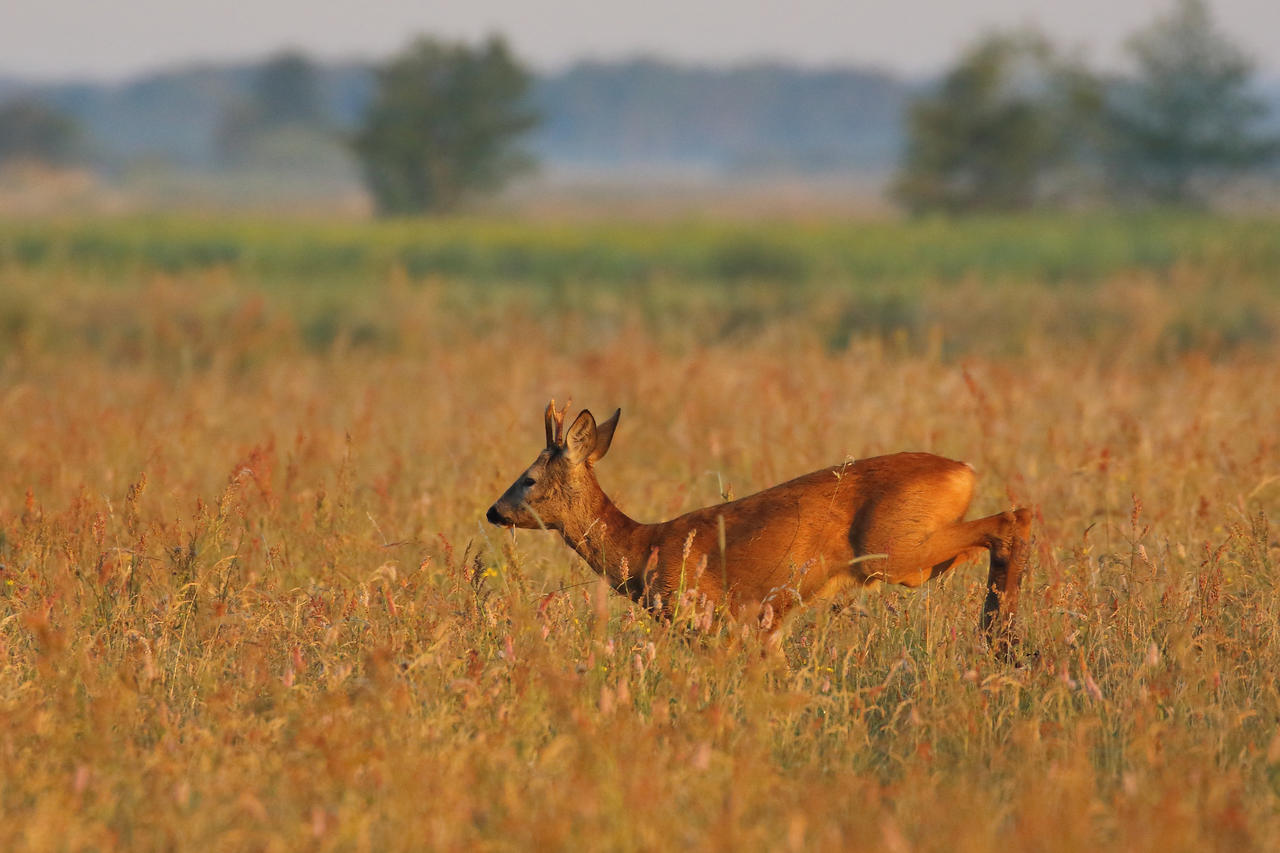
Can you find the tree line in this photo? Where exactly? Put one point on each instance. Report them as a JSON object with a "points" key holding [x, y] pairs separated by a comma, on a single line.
{"points": [[1015, 123]]}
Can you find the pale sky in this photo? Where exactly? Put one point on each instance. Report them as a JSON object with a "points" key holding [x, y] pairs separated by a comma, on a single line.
{"points": [[63, 39]]}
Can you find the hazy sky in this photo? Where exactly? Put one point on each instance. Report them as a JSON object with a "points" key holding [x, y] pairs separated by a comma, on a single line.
{"points": [[79, 38]]}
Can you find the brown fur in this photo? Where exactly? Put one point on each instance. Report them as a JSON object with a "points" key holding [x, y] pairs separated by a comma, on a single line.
{"points": [[896, 518]]}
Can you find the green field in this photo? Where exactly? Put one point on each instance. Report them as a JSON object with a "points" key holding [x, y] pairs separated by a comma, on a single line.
{"points": [[248, 600]]}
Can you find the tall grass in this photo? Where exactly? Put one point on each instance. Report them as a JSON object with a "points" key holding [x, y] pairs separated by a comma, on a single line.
{"points": [[247, 600]]}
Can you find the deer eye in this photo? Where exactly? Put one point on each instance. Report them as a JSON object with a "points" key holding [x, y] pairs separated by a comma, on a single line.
{"points": [[527, 482]]}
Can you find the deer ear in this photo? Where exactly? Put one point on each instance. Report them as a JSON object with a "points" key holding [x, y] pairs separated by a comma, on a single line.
{"points": [[580, 440], [604, 437]]}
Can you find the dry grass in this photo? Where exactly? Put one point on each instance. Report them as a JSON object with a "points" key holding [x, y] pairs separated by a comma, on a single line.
{"points": [[247, 601]]}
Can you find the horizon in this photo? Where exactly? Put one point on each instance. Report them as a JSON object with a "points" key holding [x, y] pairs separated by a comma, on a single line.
{"points": [[148, 36], [249, 60], [1268, 76]]}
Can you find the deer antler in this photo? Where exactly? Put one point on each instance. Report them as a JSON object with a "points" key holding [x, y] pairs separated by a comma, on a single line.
{"points": [[555, 423]]}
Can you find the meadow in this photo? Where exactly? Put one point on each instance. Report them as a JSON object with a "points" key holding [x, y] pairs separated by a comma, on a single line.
{"points": [[248, 600]]}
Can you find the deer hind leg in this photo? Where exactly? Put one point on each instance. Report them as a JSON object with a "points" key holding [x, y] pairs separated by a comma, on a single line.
{"points": [[1006, 537], [1010, 551], [968, 555]]}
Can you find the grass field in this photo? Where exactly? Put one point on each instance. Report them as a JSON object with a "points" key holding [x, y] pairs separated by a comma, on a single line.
{"points": [[247, 600]]}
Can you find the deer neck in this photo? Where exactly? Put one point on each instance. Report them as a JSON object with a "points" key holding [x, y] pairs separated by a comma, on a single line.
{"points": [[613, 545]]}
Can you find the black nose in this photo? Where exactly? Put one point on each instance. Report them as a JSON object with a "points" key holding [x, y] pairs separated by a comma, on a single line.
{"points": [[495, 517]]}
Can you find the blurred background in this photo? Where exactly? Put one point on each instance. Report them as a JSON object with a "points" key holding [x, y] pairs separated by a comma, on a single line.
{"points": [[285, 288], [985, 105]]}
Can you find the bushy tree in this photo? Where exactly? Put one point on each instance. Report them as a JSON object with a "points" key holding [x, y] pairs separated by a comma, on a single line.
{"points": [[990, 136], [445, 123], [32, 131], [1188, 115]]}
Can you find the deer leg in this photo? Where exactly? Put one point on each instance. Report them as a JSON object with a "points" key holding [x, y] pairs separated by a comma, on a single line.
{"points": [[968, 555], [1010, 551], [912, 560], [1006, 536]]}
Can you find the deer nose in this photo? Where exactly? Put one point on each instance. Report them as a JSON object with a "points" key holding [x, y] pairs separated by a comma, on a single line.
{"points": [[495, 517]]}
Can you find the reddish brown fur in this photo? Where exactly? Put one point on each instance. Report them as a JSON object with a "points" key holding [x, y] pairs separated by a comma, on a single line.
{"points": [[894, 518]]}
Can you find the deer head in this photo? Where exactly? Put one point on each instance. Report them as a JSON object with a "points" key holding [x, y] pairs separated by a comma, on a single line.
{"points": [[553, 488]]}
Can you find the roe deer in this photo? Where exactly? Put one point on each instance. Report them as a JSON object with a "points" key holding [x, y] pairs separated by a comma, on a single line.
{"points": [[894, 518]]}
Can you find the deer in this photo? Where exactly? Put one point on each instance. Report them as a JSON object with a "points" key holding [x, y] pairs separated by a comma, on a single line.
{"points": [[886, 519]]}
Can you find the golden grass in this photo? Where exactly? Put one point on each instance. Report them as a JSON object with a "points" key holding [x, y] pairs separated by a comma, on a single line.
{"points": [[247, 600]]}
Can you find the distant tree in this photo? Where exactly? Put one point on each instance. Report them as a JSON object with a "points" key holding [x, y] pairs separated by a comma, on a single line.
{"points": [[31, 131], [1007, 115], [287, 90], [1188, 115], [444, 124], [284, 95]]}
